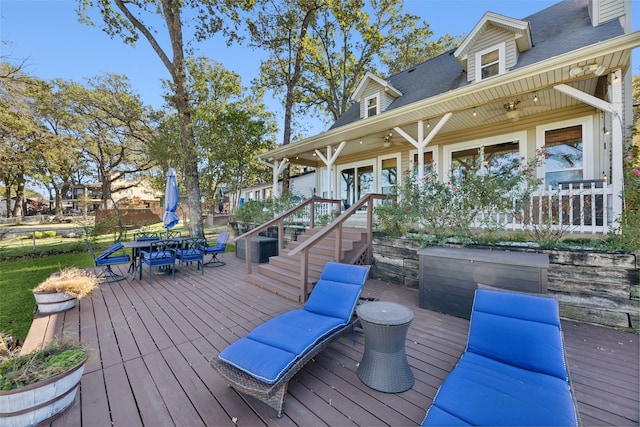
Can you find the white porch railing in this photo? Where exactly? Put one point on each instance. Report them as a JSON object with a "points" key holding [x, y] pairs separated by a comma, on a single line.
{"points": [[574, 208]]}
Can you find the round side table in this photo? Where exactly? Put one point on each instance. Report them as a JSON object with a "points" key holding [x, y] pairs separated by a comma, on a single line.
{"points": [[384, 366]]}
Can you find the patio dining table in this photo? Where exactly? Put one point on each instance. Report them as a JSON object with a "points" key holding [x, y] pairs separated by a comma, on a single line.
{"points": [[137, 245]]}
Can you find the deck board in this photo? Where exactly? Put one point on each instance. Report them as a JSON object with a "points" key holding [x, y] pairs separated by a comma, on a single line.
{"points": [[152, 345]]}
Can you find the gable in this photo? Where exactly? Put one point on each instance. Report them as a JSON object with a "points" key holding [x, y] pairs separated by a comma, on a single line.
{"points": [[493, 30], [372, 86]]}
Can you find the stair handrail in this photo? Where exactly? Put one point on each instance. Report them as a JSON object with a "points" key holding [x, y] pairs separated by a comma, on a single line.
{"points": [[336, 225], [280, 221]]}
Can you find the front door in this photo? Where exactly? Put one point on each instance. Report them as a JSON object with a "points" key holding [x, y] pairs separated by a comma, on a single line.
{"points": [[355, 182]]}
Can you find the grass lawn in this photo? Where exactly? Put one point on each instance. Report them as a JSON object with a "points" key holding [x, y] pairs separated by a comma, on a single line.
{"points": [[18, 278], [25, 263]]}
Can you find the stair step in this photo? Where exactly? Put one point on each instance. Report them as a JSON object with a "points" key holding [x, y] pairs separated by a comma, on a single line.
{"points": [[278, 287], [291, 277], [281, 274], [293, 263]]}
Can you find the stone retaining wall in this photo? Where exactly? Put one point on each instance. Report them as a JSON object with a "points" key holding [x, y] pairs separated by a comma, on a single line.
{"points": [[593, 287]]}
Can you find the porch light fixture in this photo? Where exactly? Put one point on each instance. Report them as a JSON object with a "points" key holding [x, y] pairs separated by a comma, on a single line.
{"points": [[535, 96], [360, 141], [474, 112], [428, 124]]}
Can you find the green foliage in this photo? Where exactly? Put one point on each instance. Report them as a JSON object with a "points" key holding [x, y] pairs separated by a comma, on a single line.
{"points": [[20, 276], [50, 233], [461, 209], [261, 211], [55, 358], [627, 237]]}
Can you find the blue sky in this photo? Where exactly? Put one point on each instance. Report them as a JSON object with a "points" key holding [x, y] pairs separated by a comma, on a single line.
{"points": [[47, 34]]}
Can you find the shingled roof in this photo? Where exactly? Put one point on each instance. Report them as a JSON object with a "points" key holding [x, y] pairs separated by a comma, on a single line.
{"points": [[558, 29]]}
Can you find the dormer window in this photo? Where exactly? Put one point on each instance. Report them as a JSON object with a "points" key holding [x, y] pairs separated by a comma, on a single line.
{"points": [[372, 105], [490, 62]]}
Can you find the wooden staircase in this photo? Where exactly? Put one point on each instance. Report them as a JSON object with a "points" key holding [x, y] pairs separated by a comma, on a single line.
{"points": [[282, 274]]}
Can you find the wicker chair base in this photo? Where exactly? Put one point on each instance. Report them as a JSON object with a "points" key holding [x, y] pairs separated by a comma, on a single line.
{"points": [[273, 394]]}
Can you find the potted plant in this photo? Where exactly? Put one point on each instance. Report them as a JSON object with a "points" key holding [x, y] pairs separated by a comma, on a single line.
{"points": [[60, 291], [37, 386]]}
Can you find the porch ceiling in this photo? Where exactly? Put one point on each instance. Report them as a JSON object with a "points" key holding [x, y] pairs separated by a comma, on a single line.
{"points": [[489, 100]]}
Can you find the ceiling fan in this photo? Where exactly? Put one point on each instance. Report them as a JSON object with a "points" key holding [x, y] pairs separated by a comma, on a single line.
{"points": [[512, 110]]}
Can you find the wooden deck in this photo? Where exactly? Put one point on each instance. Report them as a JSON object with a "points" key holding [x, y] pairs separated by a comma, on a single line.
{"points": [[153, 344]]}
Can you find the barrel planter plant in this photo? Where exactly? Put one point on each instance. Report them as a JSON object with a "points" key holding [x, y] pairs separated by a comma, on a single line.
{"points": [[38, 386], [60, 291]]}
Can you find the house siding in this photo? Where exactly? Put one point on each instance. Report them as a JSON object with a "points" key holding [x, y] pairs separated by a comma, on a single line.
{"points": [[373, 89], [493, 36]]}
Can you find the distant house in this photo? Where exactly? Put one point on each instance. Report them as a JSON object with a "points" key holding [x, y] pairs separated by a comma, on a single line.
{"points": [[303, 184], [560, 79], [125, 193]]}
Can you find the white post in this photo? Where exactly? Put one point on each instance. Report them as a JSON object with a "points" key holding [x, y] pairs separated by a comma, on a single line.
{"points": [[617, 146], [329, 161]]}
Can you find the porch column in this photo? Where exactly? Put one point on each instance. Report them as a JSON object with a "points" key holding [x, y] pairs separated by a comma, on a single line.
{"points": [[329, 161], [617, 133], [617, 145], [422, 142], [277, 167]]}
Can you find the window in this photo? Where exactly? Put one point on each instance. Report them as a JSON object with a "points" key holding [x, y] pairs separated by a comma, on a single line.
{"points": [[490, 62], [389, 176], [564, 155], [498, 159], [372, 105], [355, 182], [427, 157]]}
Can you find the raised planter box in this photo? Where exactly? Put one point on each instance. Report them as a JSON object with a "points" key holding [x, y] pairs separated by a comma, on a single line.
{"points": [[594, 287], [449, 277], [261, 248]]}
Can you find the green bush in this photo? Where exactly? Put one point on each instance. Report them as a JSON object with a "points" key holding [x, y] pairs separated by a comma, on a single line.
{"points": [[462, 208], [50, 233]]}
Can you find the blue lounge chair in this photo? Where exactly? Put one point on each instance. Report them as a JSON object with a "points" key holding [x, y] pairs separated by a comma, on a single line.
{"points": [[219, 248], [108, 258], [262, 363], [513, 371], [161, 253], [192, 250]]}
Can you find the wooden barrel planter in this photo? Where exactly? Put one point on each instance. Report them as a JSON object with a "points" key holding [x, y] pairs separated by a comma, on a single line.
{"points": [[53, 302], [35, 403]]}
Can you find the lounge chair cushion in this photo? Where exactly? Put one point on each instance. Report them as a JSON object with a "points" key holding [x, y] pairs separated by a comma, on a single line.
{"points": [[513, 371], [496, 393], [261, 361], [269, 350], [116, 247], [295, 331], [520, 330], [324, 300], [337, 291]]}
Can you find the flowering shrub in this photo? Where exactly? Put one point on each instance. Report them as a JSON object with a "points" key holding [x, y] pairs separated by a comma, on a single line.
{"points": [[463, 207], [627, 237]]}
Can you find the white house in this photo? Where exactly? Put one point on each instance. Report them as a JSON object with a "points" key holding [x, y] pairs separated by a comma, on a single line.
{"points": [[560, 79]]}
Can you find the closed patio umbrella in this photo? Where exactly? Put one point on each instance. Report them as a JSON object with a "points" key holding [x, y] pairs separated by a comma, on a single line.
{"points": [[170, 201]]}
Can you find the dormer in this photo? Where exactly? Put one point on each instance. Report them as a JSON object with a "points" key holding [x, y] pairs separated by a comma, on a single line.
{"points": [[374, 95], [493, 46]]}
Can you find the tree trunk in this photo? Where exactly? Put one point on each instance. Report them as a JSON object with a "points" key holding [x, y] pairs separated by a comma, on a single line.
{"points": [[17, 208], [7, 200], [181, 102]]}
